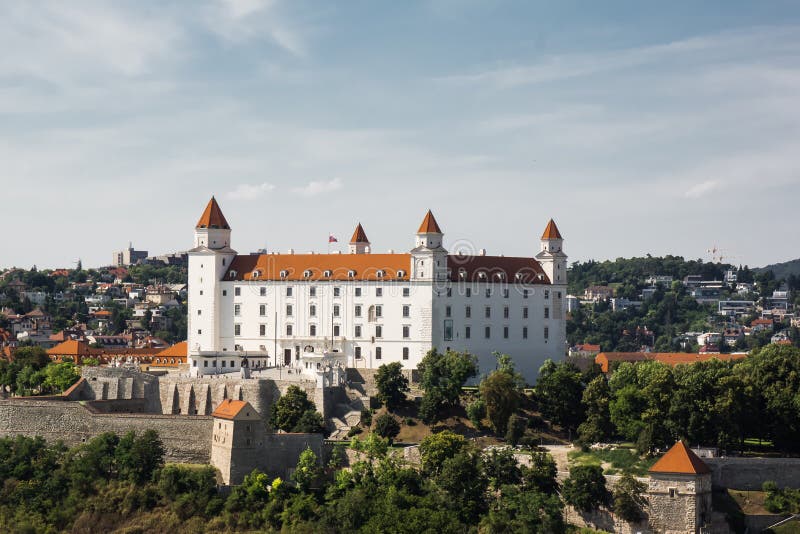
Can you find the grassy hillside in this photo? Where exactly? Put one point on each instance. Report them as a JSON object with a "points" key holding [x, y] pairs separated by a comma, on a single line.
{"points": [[782, 270]]}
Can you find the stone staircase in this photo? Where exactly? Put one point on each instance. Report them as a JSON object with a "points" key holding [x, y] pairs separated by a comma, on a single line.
{"points": [[347, 415]]}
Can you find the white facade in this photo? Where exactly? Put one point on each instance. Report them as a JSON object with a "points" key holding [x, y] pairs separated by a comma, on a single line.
{"points": [[291, 310]]}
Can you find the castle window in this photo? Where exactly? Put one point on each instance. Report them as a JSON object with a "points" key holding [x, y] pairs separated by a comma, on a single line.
{"points": [[232, 362], [448, 311], [237, 291], [488, 292], [357, 310], [448, 329], [307, 273], [468, 312], [546, 332], [237, 309], [326, 273], [378, 353], [237, 330], [199, 332], [312, 291], [378, 331], [467, 332], [405, 353], [312, 330], [488, 312], [487, 332], [289, 310], [406, 311], [406, 291], [401, 273], [312, 310], [505, 312], [358, 330], [505, 332], [351, 274], [223, 363], [406, 331], [224, 292], [288, 330], [524, 293], [263, 291], [524, 332], [262, 309], [337, 291], [289, 291], [336, 310], [284, 273], [336, 330], [380, 273], [378, 310], [357, 292], [255, 274], [468, 292], [378, 291], [546, 293], [199, 312], [546, 312], [262, 330], [232, 274], [505, 293], [524, 312], [449, 291], [673, 492], [201, 292], [205, 363]]}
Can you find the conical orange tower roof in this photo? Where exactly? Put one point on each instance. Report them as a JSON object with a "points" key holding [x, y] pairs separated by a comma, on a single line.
{"points": [[681, 460], [429, 225], [359, 236], [551, 232], [212, 217]]}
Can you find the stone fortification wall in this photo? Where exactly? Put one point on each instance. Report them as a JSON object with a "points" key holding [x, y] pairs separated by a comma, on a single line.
{"points": [[751, 473], [603, 519], [278, 456], [173, 394], [186, 439]]}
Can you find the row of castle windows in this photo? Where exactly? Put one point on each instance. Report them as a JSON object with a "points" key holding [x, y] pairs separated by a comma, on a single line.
{"points": [[312, 292]]}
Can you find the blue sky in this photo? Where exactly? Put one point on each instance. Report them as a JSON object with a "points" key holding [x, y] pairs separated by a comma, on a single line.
{"points": [[641, 127]]}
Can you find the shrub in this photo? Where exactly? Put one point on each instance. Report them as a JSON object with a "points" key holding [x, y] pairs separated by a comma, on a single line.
{"points": [[366, 418], [409, 421], [476, 411], [386, 426], [585, 488], [629, 502], [516, 429]]}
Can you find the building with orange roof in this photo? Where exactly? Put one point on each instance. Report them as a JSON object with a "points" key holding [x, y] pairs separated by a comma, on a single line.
{"points": [[362, 309], [78, 351], [679, 492], [606, 360]]}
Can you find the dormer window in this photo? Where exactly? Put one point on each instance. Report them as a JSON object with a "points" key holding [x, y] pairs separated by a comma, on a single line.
{"points": [[519, 276], [380, 273], [284, 273], [351, 273], [256, 274], [327, 273], [501, 276], [401, 273], [232, 274], [307, 273], [462, 273], [482, 275]]}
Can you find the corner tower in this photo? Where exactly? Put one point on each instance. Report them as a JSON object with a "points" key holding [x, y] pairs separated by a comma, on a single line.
{"points": [[551, 256], [359, 244], [209, 260], [428, 257]]}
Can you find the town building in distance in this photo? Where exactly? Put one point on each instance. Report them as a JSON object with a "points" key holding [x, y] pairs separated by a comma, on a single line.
{"points": [[362, 309], [128, 256]]}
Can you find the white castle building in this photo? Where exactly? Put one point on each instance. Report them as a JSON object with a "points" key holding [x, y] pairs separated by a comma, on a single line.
{"points": [[363, 309]]}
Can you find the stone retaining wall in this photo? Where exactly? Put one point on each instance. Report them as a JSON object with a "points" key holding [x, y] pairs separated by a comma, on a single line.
{"points": [[751, 473]]}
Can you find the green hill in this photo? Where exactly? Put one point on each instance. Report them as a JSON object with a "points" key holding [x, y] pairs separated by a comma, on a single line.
{"points": [[782, 270]]}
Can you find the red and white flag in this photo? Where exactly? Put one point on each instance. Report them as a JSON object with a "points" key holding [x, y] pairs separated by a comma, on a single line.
{"points": [[332, 239]]}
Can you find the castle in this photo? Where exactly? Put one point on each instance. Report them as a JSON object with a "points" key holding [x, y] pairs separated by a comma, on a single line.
{"points": [[361, 309]]}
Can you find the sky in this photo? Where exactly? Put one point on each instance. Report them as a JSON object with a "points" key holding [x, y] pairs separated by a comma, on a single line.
{"points": [[640, 127]]}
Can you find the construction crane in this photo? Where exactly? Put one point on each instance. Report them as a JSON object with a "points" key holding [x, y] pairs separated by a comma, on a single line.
{"points": [[719, 255]]}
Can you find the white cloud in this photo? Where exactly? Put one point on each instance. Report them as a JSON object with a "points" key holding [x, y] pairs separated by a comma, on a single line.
{"points": [[317, 188], [237, 21], [250, 191], [702, 189]]}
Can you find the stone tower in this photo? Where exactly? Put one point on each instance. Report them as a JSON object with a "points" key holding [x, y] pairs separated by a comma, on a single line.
{"points": [[237, 439], [359, 244], [209, 260], [429, 258], [679, 492]]}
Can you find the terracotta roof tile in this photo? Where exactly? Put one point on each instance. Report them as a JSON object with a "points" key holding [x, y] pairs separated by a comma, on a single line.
{"points": [[359, 236], [506, 269], [681, 460], [228, 409], [178, 349], [365, 266], [551, 231], [212, 217], [429, 225]]}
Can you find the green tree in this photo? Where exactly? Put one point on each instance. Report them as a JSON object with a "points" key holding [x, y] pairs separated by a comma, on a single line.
{"points": [[541, 474], [520, 510], [585, 488], [289, 411], [60, 376], [392, 384], [436, 448], [476, 411], [500, 391], [308, 473], [629, 501], [138, 456], [464, 482], [559, 390], [442, 376], [597, 425], [501, 468], [386, 426]]}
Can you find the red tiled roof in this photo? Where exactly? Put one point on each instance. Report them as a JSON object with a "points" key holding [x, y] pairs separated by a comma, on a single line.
{"points": [[429, 225], [359, 236], [178, 349], [229, 409], [212, 217], [588, 348], [551, 231], [670, 358], [680, 460], [510, 270]]}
